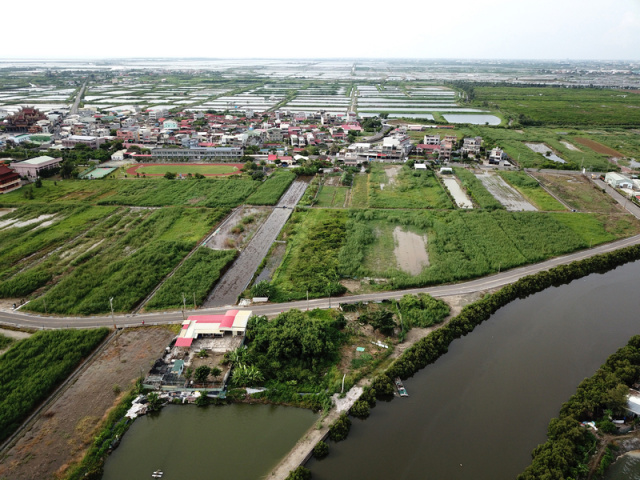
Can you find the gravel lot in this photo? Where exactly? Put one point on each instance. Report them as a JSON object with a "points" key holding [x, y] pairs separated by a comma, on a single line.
{"points": [[505, 194]]}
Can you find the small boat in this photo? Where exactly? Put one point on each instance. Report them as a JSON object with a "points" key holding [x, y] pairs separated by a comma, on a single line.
{"points": [[401, 390]]}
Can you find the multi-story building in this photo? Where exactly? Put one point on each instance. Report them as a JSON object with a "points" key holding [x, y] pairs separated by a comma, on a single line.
{"points": [[197, 153], [32, 167], [90, 141], [9, 180]]}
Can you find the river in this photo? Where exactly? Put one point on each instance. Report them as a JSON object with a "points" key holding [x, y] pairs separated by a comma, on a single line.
{"points": [[478, 412], [240, 442]]}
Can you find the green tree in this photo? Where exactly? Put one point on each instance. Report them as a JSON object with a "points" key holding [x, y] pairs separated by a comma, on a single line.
{"points": [[154, 401], [339, 429], [38, 183], [321, 450], [216, 372], [170, 175], [202, 373], [299, 473]]}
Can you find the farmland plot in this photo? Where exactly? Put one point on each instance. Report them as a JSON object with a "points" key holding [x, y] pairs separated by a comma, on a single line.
{"points": [[505, 193]]}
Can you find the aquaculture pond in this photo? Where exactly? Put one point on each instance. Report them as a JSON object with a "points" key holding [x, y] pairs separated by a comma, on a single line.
{"points": [[187, 442]]}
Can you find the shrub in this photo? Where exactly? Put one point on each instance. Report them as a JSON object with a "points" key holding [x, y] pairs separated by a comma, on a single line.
{"points": [[360, 409], [321, 450], [299, 473], [339, 429]]}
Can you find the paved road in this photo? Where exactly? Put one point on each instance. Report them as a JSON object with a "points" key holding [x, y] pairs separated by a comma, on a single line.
{"points": [[233, 283], [74, 108], [481, 284]]}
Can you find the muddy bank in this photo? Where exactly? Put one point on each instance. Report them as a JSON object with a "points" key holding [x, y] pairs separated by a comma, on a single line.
{"points": [[67, 427], [410, 251]]}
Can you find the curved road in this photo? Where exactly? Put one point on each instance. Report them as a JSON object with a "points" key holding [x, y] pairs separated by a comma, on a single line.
{"points": [[494, 281]]}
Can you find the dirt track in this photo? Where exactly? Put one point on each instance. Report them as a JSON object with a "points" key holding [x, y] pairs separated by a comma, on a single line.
{"points": [[239, 275]]}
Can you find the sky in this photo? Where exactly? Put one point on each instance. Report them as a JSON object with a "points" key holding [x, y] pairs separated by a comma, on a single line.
{"points": [[482, 29]]}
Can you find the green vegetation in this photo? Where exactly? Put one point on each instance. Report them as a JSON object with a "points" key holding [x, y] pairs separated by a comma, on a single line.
{"points": [[360, 192], [530, 188], [311, 262], [561, 106], [339, 429], [270, 191], [467, 244], [596, 398], [300, 473], [408, 189], [295, 346], [35, 366], [184, 169], [196, 276], [476, 190], [422, 310], [332, 196], [5, 342], [227, 192], [33, 241], [321, 450], [129, 267], [112, 429]]}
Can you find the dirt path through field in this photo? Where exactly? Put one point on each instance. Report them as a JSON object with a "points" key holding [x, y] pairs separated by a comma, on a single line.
{"points": [[67, 427]]}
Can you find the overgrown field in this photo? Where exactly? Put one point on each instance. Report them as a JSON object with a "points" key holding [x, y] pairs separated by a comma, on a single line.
{"points": [[461, 244], [123, 258], [33, 367], [196, 276], [532, 191], [270, 191], [562, 106], [406, 189], [311, 262], [226, 192], [476, 190]]}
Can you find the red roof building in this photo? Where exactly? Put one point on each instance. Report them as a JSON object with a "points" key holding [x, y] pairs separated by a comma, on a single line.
{"points": [[9, 180]]}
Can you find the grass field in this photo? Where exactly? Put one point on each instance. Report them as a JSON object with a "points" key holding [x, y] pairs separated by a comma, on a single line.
{"points": [[330, 196], [393, 186], [360, 191], [185, 168]]}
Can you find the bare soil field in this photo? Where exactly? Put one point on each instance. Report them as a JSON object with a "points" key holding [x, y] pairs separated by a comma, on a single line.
{"points": [[392, 173], [458, 194], [66, 428], [505, 193], [598, 147], [410, 251], [579, 193]]}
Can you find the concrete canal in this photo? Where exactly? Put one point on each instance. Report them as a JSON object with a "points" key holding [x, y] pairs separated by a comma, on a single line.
{"points": [[478, 412], [241, 442]]}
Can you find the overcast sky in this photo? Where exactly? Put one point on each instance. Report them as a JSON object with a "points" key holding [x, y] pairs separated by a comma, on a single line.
{"points": [[511, 29]]}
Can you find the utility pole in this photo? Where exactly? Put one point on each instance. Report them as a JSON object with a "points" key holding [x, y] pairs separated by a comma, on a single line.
{"points": [[194, 300], [44, 300], [307, 299], [112, 319], [184, 306]]}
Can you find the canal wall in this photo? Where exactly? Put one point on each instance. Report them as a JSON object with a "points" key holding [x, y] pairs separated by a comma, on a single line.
{"points": [[303, 450]]}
